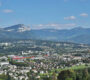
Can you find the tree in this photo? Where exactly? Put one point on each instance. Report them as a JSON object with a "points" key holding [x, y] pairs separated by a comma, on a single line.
{"points": [[54, 76], [85, 74], [67, 75], [8, 77]]}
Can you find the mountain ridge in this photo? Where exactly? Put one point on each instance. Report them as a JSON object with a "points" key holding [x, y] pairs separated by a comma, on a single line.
{"points": [[21, 31]]}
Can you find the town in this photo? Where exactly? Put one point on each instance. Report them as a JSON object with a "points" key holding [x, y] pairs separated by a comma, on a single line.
{"points": [[40, 61]]}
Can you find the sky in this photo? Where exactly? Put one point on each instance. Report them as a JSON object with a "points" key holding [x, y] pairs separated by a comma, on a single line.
{"points": [[38, 14]]}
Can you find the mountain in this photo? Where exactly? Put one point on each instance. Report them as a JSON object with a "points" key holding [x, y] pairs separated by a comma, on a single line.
{"points": [[18, 28], [21, 31]]}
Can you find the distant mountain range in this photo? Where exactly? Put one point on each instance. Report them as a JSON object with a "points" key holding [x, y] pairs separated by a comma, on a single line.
{"points": [[20, 31]]}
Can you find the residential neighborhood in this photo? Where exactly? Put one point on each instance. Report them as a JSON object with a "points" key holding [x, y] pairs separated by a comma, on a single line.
{"points": [[19, 66]]}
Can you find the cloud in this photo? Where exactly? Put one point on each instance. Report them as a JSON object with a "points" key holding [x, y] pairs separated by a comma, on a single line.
{"points": [[70, 18], [54, 26], [7, 11], [84, 15]]}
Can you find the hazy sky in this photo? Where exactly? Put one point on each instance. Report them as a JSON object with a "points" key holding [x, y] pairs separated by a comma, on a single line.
{"points": [[38, 14]]}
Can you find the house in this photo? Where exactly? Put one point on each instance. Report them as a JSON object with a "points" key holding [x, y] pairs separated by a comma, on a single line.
{"points": [[4, 63]]}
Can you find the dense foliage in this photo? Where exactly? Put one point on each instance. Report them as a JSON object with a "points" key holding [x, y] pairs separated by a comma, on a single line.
{"points": [[81, 74]]}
